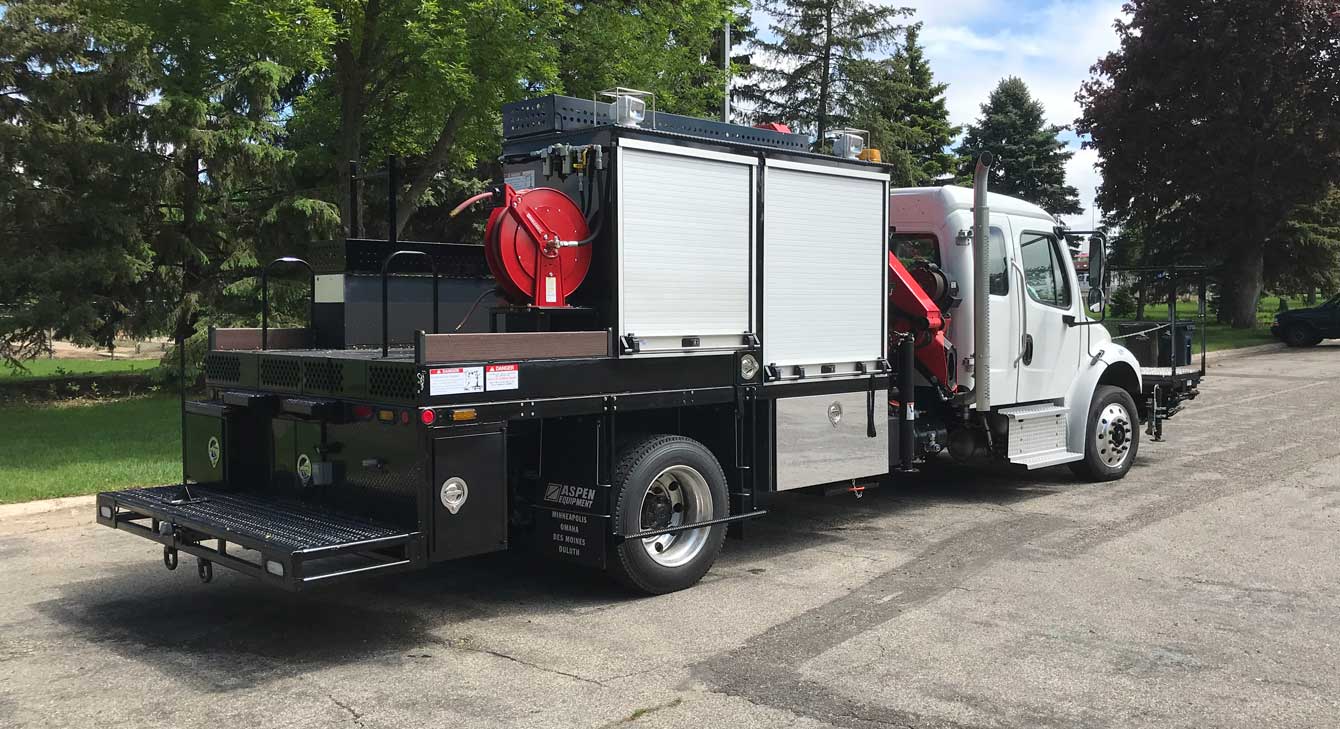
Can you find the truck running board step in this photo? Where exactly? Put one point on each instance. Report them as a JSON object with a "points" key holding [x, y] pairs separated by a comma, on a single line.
{"points": [[1037, 436], [298, 544], [1047, 458]]}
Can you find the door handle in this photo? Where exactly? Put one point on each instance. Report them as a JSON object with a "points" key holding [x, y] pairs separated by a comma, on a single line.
{"points": [[1025, 339]]}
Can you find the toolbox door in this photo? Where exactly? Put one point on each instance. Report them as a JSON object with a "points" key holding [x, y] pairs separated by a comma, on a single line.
{"points": [[207, 446], [469, 493]]}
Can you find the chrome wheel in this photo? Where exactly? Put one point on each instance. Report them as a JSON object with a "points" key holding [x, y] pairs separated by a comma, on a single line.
{"points": [[1113, 435], [678, 495]]}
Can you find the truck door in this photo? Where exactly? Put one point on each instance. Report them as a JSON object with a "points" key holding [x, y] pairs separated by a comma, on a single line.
{"points": [[1049, 346], [1005, 314]]}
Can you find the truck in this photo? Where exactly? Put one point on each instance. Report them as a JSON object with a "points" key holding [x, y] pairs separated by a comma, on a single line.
{"points": [[671, 322]]}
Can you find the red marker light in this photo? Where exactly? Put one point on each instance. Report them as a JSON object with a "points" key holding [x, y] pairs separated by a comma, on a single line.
{"points": [[427, 416], [404, 417], [362, 411]]}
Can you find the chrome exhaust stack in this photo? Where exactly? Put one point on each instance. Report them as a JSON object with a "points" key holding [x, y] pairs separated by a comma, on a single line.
{"points": [[981, 277]]}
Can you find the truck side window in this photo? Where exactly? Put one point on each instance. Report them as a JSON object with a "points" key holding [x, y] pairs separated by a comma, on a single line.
{"points": [[912, 248], [999, 271], [1044, 272]]}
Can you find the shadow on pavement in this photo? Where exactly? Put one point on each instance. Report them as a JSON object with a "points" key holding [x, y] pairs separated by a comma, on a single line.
{"points": [[238, 634]]}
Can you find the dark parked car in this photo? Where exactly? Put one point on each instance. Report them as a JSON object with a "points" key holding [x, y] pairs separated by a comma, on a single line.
{"points": [[1307, 327]]}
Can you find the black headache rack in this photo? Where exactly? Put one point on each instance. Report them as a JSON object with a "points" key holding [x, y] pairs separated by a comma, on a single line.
{"points": [[1170, 369], [289, 544]]}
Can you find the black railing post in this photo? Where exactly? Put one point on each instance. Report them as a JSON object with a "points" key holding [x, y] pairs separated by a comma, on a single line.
{"points": [[386, 267], [265, 297], [392, 193], [353, 199]]}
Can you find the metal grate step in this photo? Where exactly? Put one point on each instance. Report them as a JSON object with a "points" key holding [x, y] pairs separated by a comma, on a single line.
{"points": [[1037, 432], [287, 525]]}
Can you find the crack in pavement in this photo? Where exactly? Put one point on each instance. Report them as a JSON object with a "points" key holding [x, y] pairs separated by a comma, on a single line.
{"points": [[357, 717], [461, 646], [762, 671]]}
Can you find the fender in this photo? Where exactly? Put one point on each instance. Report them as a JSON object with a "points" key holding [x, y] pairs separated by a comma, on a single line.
{"points": [[1105, 362]]}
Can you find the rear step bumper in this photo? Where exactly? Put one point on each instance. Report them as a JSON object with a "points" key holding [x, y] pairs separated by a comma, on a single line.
{"points": [[292, 545]]}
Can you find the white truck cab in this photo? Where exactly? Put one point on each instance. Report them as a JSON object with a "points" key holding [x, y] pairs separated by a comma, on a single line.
{"points": [[1047, 360]]}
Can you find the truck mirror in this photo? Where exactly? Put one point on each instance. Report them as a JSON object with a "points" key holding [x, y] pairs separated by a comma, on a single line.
{"points": [[1097, 300], [1097, 260]]}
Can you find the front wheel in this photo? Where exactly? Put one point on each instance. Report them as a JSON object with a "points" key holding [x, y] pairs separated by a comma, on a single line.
{"points": [[1112, 437], [666, 481], [1300, 335]]}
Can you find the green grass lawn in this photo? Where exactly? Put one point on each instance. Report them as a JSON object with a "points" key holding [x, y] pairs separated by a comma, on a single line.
{"points": [[58, 368], [75, 448], [1218, 336]]}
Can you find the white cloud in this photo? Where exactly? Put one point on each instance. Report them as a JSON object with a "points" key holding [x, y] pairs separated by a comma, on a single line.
{"points": [[973, 44], [1081, 173]]}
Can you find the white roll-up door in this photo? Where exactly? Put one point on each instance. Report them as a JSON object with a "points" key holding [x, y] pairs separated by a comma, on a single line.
{"points": [[825, 267], [686, 235]]}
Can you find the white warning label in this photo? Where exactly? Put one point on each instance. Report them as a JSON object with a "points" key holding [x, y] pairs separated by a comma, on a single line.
{"points": [[455, 380], [502, 377], [521, 181]]}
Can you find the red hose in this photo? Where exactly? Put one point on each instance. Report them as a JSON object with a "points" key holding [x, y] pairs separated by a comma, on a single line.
{"points": [[468, 202]]}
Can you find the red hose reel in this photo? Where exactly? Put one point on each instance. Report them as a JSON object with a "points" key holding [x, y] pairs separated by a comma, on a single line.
{"points": [[537, 245]]}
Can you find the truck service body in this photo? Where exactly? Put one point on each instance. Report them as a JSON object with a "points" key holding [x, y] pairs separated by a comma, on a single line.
{"points": [[671, 321]]}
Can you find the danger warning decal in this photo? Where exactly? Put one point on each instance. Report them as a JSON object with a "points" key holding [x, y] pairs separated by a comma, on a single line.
{"points": [[455, 380], [502, 377]]}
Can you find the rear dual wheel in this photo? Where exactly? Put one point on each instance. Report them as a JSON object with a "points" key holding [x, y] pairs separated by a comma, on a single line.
{"points": [[662, 482]]}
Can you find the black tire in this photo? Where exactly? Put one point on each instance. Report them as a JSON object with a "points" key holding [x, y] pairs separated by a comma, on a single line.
{"points": [[635, 478], [1098, 463], [1300, 335]]}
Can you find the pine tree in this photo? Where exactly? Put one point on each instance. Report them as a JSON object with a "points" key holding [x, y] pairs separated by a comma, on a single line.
{"points": [[808, 76], [924, 111], [1030, 160], [879, 109], [1307, 249]]}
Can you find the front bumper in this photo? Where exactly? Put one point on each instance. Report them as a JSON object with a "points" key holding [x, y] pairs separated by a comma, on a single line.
{"points": [[286, 544]]}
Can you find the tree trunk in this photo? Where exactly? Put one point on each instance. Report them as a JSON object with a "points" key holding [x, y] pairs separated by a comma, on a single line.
{"points": [[352, 66], [825, 80], [1140, 301], [1246, 286], [407, 204]]}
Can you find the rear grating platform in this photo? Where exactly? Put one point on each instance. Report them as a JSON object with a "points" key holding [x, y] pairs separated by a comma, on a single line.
{"points": [[285, 525]]}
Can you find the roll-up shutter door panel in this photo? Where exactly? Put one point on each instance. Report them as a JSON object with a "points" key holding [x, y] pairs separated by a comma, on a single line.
{"points": [[823, 262], [686, 239]]}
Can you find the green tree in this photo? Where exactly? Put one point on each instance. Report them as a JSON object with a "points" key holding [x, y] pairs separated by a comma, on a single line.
{"points": [[905, 112], [142, 142], [924, 110], [879, 109], [1030, 159], [1307, 249], [422, 79], [669, 47], [72, 211], [809, 77], [1215, 121]]}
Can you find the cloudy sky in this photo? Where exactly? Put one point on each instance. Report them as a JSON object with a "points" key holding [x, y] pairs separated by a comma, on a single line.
{"points": [[1050, 44]]}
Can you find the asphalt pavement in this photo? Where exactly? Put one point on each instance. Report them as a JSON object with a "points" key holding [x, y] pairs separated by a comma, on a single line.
{"points": [[1201, 591]]}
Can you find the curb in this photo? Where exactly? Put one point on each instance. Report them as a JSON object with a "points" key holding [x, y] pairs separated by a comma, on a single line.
{"points": [[46, 506]]}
